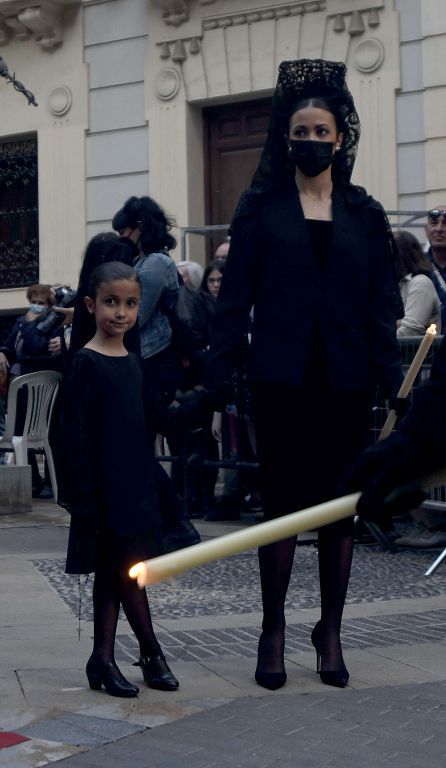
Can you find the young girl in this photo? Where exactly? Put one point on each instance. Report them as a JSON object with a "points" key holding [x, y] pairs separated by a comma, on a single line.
{"points": [[110, 418]]}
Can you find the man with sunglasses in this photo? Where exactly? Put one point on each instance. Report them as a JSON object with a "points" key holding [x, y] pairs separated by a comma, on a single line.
{"points": [[436, 234]]}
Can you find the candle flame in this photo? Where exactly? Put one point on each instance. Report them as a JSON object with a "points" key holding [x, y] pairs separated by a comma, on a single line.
{"points": [[137, 570]]}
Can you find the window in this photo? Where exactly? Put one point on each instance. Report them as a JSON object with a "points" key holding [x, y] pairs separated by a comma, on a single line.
{"points": [[19, 224]]}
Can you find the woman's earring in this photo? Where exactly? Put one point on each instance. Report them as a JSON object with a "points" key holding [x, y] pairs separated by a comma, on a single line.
{"points": [[289, 150], [338, 148]]}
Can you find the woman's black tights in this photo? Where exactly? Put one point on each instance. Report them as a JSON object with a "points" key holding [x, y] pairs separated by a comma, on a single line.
{"points": [[111, 589], [276, 562]]}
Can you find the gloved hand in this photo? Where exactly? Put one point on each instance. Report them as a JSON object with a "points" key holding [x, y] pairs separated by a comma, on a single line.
{"points": [[400, 405], [391, 465]]}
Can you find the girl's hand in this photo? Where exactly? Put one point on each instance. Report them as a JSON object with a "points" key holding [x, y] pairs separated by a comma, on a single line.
{"points": [[4, 365], [216, 426]]}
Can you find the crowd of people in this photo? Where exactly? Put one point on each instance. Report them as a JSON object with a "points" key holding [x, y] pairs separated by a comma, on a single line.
{"points": [[279, 364]]}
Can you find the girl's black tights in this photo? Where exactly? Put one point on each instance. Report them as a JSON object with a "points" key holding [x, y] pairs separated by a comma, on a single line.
{"points": [[111, 589]]}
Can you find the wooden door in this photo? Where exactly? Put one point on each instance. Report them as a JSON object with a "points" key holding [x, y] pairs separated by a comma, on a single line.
{"points": [[234, 139]]}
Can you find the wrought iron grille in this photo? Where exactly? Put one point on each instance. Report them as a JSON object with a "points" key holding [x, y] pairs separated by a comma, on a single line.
{"points": [[19, 225]]}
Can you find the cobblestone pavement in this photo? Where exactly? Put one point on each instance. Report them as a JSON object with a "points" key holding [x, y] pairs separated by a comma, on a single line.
{"points": [[374, 632], [231, 586], [393, 713]]}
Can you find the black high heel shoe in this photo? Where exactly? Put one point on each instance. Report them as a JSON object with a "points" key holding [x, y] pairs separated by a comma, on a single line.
{"points": [[270, 680], [156, 673], [107, 674], [338, 678]]}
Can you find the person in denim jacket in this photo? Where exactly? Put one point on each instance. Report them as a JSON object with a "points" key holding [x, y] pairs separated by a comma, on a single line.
{"points": [[142, 221]]}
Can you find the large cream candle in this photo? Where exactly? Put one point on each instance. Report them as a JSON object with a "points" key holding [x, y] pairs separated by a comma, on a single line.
{"points": [[410, 377], [166, 566]]}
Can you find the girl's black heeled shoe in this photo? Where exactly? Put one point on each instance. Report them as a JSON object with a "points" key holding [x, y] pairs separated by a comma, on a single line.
{"points": [[270, 680], [338, 678], [156, 673], [107, 674]]}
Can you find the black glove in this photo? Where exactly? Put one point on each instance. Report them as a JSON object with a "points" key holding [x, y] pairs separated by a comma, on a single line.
{"points": [[400, 405], [387, 473]]}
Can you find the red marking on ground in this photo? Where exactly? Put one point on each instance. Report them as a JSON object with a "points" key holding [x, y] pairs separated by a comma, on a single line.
{"points": [[9, 739]]}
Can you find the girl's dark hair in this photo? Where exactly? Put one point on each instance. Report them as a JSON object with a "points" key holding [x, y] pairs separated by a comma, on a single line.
{"points": [[106, 246], [111, 270], [410, 257], [102, 248], [219, 265], [149, 217]]}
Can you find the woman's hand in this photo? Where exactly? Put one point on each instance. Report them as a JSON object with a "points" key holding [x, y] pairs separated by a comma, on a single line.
{"points": [[55, 346], [216, 426], [68, 313], [4, 365]]}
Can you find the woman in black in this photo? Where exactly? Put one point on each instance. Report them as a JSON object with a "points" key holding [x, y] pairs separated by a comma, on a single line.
{"points": [[313, 255]]}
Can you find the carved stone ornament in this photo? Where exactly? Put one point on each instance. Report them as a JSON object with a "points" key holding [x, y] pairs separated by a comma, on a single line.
{"points": [[167, 83], [279, 11], [369, 55], [59, 100], [26, 19], [174, 11]]}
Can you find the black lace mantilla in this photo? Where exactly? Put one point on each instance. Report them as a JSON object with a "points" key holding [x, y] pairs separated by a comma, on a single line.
{"points": [[300, 74], [297, 80]]}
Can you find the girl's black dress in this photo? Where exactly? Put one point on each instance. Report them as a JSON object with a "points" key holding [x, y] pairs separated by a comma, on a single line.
{"points": [[110, 474]]}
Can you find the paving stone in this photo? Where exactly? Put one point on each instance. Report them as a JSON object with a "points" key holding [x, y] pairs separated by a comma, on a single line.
{"points": [[80, 730], [396, 726]]}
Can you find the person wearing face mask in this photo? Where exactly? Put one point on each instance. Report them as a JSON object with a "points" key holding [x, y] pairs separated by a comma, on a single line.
{"points": [[142, 223], [14, 357], [312, 254], [436, 235], [26, 350]]}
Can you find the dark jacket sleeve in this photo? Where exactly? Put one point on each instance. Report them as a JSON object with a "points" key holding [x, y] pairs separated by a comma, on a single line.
{"points": [[229, 324], [35, 343], [384, 307], [8, 346], [80, 425], [192, 413]]}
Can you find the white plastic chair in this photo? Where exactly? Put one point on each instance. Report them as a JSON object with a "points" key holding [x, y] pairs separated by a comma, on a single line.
{"points": [[41, 388]]}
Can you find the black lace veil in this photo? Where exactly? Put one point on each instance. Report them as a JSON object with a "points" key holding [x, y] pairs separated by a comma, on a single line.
{"points": [[298, 80]]}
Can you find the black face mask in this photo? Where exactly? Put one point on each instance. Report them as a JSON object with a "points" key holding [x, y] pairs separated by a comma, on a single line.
{"points": [[311, 157]]}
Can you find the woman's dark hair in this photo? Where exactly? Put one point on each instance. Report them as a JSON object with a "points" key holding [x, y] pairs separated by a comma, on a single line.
{"points": [[102, 248], [410, 258], [329, 103], [219, 265], [111, 270], [151, 220]]}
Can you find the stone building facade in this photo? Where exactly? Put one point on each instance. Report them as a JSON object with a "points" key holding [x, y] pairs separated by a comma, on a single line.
{"points": [[125, 89]]}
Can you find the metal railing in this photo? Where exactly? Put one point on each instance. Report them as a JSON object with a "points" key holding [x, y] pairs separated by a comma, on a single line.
{"points": [[407, 219]]}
